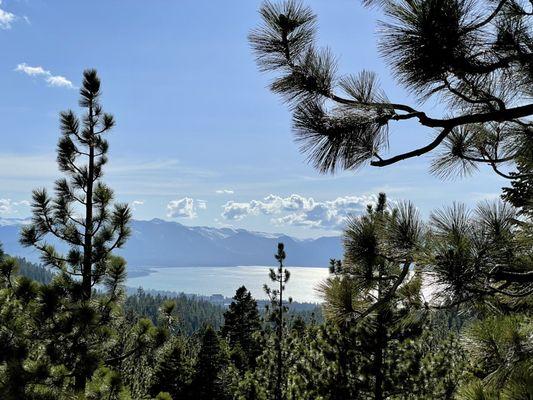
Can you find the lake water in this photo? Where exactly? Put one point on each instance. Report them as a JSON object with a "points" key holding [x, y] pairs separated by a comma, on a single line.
{"points": [[226, 280]]}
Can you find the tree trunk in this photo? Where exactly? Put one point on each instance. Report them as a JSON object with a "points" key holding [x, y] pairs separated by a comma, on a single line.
{"points": [[381, 344], [280, 336], [86, 284], [87, 247], [341, 391], [378, 356]]}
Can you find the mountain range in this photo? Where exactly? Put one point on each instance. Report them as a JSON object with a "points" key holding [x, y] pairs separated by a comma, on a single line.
{"points": [[171, 244]]}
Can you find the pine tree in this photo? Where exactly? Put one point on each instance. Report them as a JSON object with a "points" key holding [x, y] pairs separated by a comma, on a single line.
{"points": [[520, 194], [106, 384], [500, 358], [173, 371], [15, 295], [474, 57], [370, 295], [138, 349], [480, 256], [212, 359], [281, 276], [241, 326], [79, 216]]}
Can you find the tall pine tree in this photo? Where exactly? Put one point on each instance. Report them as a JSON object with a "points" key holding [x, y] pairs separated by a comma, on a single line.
{"points": [[371, 296], [280, 276], [80, 217]]}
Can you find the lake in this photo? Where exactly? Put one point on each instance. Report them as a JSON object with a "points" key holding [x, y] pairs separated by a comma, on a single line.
{"points": [[226, 280]]}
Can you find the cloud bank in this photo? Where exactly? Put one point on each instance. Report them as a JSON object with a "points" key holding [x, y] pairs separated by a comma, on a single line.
{"points": [[7, 206], [298, 210], [50, 79], [185, 208]]}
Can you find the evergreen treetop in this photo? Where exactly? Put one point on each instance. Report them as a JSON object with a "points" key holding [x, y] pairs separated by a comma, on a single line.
{"points": [[80, 215], [242, 323]]}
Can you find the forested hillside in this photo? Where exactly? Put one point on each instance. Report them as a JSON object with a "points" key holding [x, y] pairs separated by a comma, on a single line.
{"points": [[33, 271]]}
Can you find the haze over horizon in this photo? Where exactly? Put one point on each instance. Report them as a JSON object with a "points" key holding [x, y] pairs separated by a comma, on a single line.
{"points": [[199, 139]]}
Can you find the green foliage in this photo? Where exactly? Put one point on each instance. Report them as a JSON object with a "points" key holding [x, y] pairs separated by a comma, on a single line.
{"points": [[80, 214], [190, 313], [476, 56], [81, 326], [163, 396], [173, 369], [280, 278], [379, 339], [35, 272], [500, 358], [520, 194], [380, 248], [473, 55], [241, 327], [480, 255], [74, 334], [61, 338], [375, 303], [212, 359], [106, 384]]}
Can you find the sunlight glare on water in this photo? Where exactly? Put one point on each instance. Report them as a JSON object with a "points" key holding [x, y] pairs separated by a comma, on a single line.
{"points": [[226, 280]]}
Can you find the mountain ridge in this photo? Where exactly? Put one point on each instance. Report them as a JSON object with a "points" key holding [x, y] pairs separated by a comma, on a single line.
{"points": [[157, 242]]}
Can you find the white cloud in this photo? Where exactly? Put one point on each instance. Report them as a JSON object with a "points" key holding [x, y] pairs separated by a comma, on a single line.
{"points": [[31, 71], [185, 208], [236, 211], [8, 206], [135, 203], [52, 80], [5, 206], [6, 18], [299, 210], [59, 81], [225, 191]]}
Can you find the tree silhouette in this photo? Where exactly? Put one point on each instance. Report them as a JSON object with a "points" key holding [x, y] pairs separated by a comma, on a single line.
{"points": [[478, 256], [474, 57], [212, 358], [280, 276], [241, 324], [372, 286], [79, 216]]}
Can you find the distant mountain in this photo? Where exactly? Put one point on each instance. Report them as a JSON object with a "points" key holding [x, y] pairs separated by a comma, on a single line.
{"points": [[171, 244]]}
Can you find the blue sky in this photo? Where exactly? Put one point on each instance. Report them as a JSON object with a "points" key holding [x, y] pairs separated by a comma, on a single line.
{"points": [[199, 138]]}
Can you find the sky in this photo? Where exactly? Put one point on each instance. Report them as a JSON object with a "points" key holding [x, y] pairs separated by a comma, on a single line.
{"points": [[199, 138]]}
